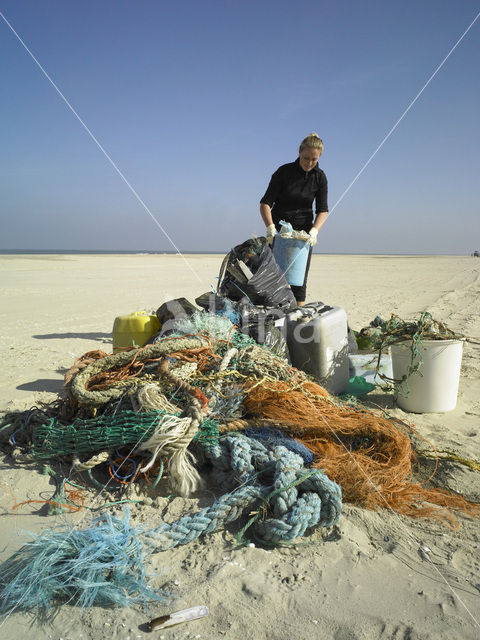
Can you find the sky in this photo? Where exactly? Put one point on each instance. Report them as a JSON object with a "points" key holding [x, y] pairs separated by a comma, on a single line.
{"points": [[179, 112]]}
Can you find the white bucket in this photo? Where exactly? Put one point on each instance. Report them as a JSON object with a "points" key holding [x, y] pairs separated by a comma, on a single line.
{"points": [[434, 387]]}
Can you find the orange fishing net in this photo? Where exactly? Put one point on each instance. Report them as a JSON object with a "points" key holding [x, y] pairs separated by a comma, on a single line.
{"points": [[363, 451]]}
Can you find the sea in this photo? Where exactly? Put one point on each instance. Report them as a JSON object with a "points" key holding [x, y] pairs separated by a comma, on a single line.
{"points": [[13, 252], [140, 252], [113, 252]]}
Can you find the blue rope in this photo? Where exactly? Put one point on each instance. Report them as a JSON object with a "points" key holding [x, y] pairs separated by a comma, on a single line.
{"points": [[104, 563], [298, 499], [274, 437]]}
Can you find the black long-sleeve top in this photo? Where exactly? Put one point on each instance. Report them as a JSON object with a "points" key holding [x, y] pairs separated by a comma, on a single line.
{"points": [[291, 193]]}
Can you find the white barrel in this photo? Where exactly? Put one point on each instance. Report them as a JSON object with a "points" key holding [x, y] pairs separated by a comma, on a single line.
{"points": [[434, 387]]}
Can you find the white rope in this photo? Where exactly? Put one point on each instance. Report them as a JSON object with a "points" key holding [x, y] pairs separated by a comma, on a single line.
{"points": [[92, 462], [150, 398], [231, 353], [185, 370], [171, 438]]}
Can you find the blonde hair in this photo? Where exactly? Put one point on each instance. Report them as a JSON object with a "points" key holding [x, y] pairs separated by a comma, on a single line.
{"points": [[312, 140]]}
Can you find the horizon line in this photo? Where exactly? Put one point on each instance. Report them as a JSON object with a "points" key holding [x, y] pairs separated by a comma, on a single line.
{"points": [[206, 252]]}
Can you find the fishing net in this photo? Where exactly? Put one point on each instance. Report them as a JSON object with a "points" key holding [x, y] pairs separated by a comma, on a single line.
{"points": [[366, 453], [208, 402], [83, 437], [207, 324], [103, 564]]}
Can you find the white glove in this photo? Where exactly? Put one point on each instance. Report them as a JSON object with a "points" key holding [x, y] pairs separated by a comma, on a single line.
{"points": [[313, 236], [271, 231]]}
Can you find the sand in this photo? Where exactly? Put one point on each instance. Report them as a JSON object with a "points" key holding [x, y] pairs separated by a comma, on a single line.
{"points": [[381, 576]]}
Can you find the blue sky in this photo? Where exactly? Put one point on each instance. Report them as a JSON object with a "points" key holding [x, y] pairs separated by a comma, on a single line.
{"points": [[198, 102]]}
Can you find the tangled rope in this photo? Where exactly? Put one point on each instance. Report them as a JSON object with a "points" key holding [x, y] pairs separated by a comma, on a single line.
{"points": [[297, 498], [84, 396], [301, 498], [97, 565], [82, 362], [102, 564], [149, 397], [171, 438], [369, 454], [181, 385], [231, 353], [91, 463], [365, 452], [381, 334]]}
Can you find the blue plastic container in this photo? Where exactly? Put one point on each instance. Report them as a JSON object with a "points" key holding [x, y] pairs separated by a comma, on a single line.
{"points": [[291, 256]]}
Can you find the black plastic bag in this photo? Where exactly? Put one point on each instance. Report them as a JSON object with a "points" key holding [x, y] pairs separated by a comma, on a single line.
{"points": [[250, 270], [178, 308], [170, 311]]}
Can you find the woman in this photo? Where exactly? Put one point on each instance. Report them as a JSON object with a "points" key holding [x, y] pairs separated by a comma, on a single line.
{"points": [[290, 195]]}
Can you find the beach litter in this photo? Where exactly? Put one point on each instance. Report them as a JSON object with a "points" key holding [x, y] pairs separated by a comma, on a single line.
{"points": [[179, 617], [381, 334], [426, 360], [204, 404]]}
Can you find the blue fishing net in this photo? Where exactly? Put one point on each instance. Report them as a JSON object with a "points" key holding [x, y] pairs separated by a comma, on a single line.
{"points": [[102, 564]]}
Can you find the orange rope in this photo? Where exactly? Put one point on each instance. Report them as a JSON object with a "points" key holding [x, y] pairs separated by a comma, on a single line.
{"points": [[73, 496], [366, 453]]}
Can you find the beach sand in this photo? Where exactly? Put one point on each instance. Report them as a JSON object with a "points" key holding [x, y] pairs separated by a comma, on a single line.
{"points": [[384, 576]]}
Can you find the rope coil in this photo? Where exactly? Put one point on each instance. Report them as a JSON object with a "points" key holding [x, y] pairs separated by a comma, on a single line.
{"points": [[94, 398], [298, 499]]}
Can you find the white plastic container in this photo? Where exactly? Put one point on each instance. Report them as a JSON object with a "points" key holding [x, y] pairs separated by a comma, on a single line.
{"points": [[365, 365], [434, 387], [320, 346]]}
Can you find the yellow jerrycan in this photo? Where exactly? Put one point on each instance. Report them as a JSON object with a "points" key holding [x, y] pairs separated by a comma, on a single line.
{"points": [[133, 330]]}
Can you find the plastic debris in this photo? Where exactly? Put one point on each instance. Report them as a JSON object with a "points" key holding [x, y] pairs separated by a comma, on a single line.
{"points": [[179, 617]]}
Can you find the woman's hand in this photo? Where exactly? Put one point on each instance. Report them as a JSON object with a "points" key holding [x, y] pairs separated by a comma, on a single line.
{"points": [[313, 236], [271, 231]]}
